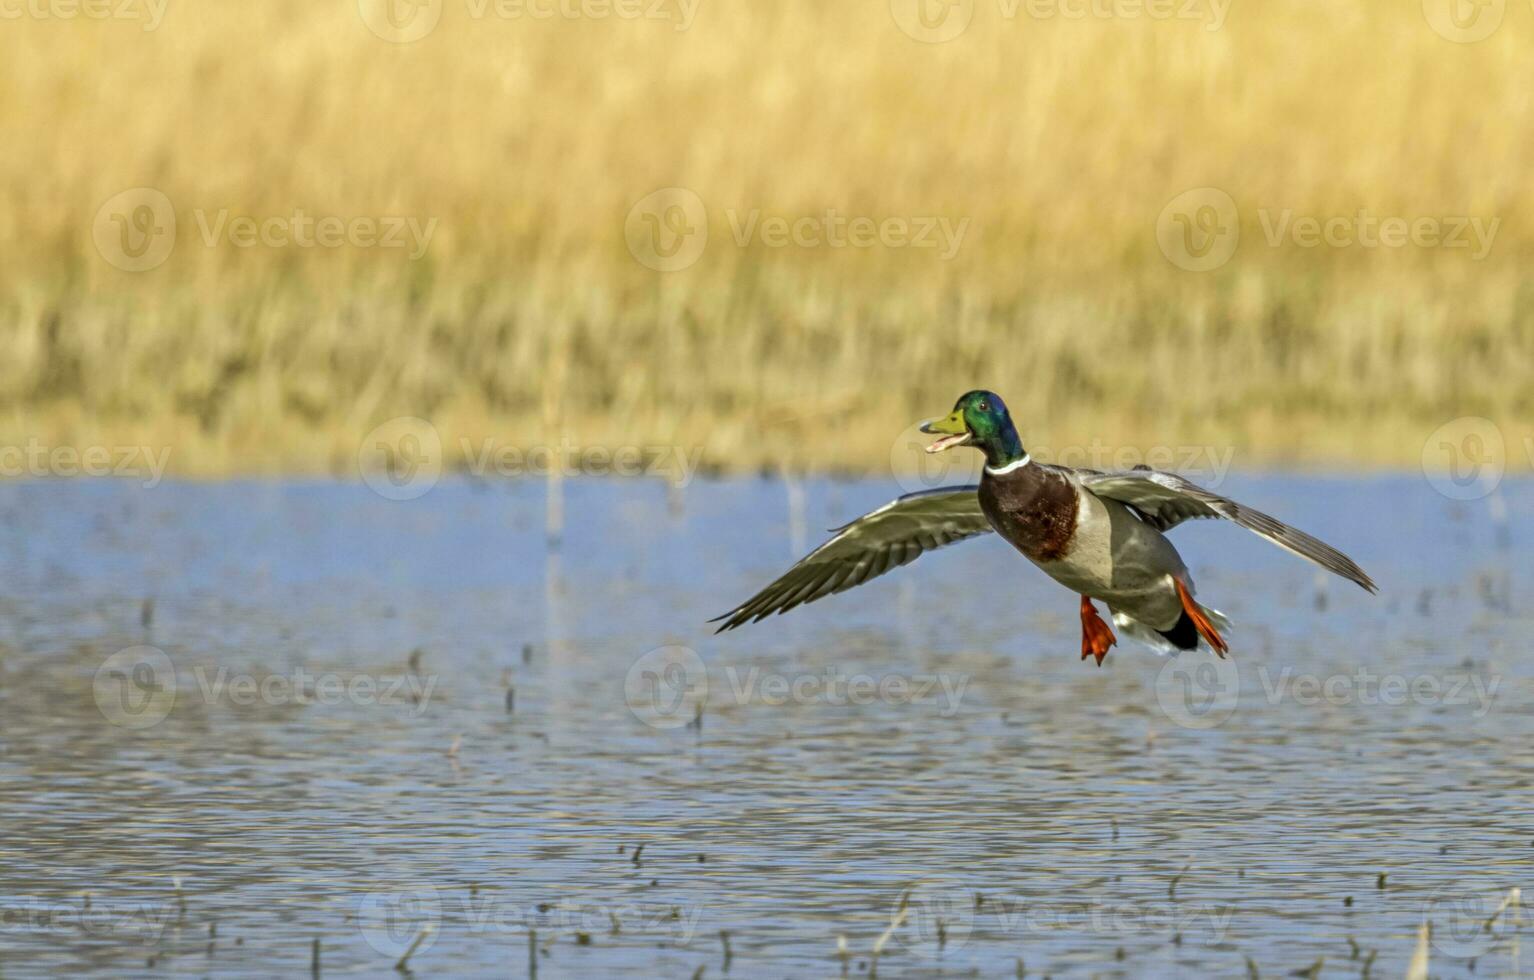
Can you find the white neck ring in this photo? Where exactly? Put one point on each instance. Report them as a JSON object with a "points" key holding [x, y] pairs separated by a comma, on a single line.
{"points": [[1016, 464]]}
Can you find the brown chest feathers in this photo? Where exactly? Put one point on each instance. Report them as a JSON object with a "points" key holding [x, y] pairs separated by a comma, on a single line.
{"points": [[1033, 507]]}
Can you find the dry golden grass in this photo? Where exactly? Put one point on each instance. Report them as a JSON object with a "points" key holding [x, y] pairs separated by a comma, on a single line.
{"points": [[528, 141]]}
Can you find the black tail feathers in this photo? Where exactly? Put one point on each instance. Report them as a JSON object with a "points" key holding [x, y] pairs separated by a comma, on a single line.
{"points": [[1183, 636]]}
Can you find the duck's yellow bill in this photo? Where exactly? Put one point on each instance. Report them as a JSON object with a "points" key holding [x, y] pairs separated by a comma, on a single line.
{"points": [[954, 430]]}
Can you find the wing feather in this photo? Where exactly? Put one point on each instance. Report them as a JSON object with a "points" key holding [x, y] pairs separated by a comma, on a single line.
{"points": [[896, 534], [1165, 500]]}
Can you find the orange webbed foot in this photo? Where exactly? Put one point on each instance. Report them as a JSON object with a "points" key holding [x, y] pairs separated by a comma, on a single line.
{"points": [[1200, 621], [1096, 637]]}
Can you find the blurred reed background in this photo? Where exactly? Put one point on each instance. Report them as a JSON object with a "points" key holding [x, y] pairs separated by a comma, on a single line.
{"points": [[528, 141]]}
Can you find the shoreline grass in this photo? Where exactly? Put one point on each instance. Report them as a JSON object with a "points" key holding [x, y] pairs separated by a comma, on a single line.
{"points": [[524, 145]]}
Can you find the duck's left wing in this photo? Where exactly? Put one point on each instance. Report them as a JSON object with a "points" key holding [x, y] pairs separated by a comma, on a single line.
{"points": [[894, 535], [1165, 500]]}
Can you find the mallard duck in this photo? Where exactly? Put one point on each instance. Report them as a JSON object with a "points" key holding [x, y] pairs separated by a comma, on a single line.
{"points": [[1101, 535]]}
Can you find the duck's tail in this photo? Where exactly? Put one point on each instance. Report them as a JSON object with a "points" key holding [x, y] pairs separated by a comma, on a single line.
{"points": [[1183, 636]]}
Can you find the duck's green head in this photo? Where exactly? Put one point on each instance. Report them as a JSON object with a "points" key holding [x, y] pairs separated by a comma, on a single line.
{"points": [[979, 419]]}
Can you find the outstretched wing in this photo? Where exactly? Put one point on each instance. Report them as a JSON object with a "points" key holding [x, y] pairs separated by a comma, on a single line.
{"points": [[1165, 500], [894, 535]]}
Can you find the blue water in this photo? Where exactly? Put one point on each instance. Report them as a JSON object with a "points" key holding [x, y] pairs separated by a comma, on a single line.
{"points": [[310, 731]]}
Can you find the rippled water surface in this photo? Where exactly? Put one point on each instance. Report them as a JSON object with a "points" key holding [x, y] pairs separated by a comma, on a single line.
{"points": [[237, 720]]}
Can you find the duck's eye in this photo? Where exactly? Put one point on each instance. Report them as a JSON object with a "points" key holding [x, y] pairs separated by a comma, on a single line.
{"points": [[985, 406]]}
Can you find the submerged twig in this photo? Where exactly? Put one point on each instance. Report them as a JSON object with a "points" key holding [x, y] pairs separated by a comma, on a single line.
{"points": [[403, 965], [1171, 891]]}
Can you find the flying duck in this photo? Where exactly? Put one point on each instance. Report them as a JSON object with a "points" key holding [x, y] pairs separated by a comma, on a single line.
{"points": [[1101, 535]]}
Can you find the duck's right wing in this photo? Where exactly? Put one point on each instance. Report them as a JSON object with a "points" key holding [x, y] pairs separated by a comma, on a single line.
{"points": [[894, 535]]}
